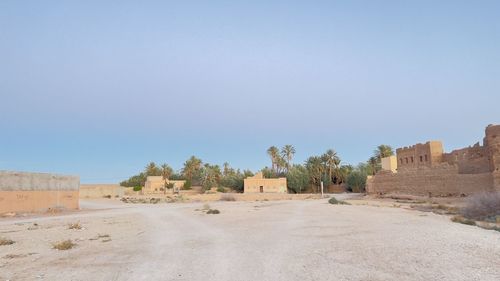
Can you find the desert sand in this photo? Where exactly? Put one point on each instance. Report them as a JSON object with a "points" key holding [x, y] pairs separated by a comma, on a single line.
{"points": [[264, 240]]}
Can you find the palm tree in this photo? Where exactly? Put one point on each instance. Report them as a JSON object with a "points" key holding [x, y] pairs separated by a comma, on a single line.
{"points": [[315, 167], [331, 160], [280, 164], [287, 152], [152, 169], [166, 172], [273, 152], [226, 169], [382, 151], [191, 166], [373, 162]]}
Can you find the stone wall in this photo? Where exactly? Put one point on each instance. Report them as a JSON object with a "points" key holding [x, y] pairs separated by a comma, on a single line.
{"points": [[101, 190], [37, 192]]}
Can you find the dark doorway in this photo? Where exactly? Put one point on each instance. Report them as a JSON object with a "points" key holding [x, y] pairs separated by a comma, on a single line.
{"points": [[261, 189]]}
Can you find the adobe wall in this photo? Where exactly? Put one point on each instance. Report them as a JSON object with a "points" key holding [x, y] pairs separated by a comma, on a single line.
{"points": [[492, 141], [254, 184], [37, 192], [439, 181], [418, 155], [470, 160], [156, 184], [101, 190]]}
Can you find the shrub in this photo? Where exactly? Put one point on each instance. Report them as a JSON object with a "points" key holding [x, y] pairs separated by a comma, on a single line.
{"points": [[187, 185], [356, 181], [76, 225], [221, 189], [107, 196], [5, 241], [482, 206], [227, 197], [63, 245], [137, 188], [334, 201], [213, 212], [463, 220]]}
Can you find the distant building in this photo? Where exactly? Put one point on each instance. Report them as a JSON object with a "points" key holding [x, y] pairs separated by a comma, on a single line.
{"points": [[156, 184], [259, 184], [424, 169]]}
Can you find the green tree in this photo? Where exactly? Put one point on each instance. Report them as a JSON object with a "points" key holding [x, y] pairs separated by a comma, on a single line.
{"points": [[152, 170], [343, 172], [166, 172], [273, 153], [356, 181], [331, 161], [133, 181], [211, 176], [374, 165], [315, 168], [383, 151], [192, 169], [297, 178]]}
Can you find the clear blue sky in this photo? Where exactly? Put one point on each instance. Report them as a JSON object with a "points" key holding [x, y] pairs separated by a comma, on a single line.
{"points": [[100, 88]]}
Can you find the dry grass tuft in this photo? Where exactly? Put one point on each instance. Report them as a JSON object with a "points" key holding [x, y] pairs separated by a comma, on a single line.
{"points": [[334, 201], [482, 206], [227, 197], [76, 225], [462, 220], [63, 245], [6, 241]]}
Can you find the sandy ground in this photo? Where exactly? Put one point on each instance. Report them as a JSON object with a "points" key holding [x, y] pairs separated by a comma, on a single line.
{"points": [[265, 240]]}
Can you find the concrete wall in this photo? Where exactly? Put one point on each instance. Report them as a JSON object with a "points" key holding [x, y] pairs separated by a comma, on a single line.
{"points": [[101, 190], [258, 184], [37, 192]]}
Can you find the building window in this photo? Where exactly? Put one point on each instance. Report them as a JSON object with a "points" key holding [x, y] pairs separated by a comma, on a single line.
{"points": [[406, 160], [426, 158], [401, 160], [412, 159], [421, 158]]}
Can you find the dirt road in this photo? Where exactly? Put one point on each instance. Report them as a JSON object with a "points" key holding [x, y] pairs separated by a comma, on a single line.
{"points": [[276, 240]]}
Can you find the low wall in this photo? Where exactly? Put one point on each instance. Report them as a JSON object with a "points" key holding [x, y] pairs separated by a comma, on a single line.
{"points": [[440, 181], [37, 192], [101, 190]]}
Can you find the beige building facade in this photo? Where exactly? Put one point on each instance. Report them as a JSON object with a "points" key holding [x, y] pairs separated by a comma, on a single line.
{"points": [[425, 169], [156, 184], [259, 184], [37, 192], [390, 164]]}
